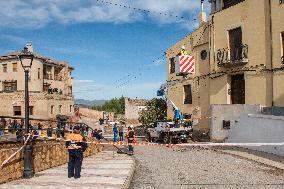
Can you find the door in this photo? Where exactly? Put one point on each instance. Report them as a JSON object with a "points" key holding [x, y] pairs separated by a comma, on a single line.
{"points": [[235, 41], [238, 89]]}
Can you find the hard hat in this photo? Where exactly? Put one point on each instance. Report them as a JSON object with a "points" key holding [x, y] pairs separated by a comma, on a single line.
{"points": [[183, 47], [131, 126]]}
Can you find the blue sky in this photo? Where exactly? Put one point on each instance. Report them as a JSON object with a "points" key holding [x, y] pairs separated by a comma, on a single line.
{"points": [[115, 50]]}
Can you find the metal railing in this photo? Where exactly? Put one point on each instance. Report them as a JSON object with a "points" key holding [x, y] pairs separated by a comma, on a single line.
{"points": [[47, 76], [227, 57]]}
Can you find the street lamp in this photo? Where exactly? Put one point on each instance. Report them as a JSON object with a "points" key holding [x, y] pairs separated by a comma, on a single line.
{"points": [[26, 59]]}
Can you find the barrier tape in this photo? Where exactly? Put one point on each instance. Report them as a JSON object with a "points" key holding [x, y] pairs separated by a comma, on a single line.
{"points": [[189, 144], [9, 158]]}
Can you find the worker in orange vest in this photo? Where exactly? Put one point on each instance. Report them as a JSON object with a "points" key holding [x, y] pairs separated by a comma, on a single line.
{"points": [[76, 146], [131, 139]]}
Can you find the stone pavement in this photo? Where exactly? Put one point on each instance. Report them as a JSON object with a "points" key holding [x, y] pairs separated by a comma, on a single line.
{"points": [[106, 169]]}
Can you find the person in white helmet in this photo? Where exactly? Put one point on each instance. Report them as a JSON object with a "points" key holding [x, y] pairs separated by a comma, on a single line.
{"points": [[131, 138], [182, 51]]}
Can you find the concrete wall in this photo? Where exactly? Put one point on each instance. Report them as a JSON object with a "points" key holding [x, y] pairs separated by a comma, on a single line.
{"points": [[259, 129], [46, 154], [230, 113]]}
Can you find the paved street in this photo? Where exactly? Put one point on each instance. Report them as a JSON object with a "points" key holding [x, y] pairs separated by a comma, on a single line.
{"points": [[200, 168], [104, 170]]}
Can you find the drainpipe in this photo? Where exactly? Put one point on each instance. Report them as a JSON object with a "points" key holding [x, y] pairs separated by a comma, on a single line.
{"points": [[271, 52]]}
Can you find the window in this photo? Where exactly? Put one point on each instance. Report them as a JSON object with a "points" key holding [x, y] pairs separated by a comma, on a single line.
{"points": [[70, 90], [203, 54], [282, 38], [229, 3], [15, 67], [10, 86], [60, 109], [235, 42], [4, 68], [187, 94], [52, 110], [38, 73], [31, 110], [17, 110], [172, 65]]}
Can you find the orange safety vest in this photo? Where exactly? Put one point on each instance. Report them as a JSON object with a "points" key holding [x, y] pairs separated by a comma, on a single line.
{"points": [[74, 139]]}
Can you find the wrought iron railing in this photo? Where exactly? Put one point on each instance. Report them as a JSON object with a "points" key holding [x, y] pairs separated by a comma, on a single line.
{"points": [[232, 57]]}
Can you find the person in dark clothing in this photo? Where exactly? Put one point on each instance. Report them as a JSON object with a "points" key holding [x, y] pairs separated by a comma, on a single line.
{"points": [[115, 131], [131, 139], [76, 146], [120, 133], [49, 131]]}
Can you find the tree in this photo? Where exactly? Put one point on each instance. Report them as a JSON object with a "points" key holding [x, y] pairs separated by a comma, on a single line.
{"points": [[156, 109], [116, 105]]}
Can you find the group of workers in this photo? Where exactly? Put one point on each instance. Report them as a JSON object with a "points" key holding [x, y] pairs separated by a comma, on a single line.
{"points": [[76, 145]]}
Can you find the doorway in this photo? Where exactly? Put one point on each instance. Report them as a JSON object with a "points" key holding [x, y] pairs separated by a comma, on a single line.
{"points": [[238, 89]]}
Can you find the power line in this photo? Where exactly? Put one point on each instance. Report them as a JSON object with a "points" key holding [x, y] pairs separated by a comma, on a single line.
{"points": [[146, 11]]}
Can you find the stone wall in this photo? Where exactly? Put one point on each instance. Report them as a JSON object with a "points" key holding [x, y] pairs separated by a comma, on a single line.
{"points": [[46, 154]]}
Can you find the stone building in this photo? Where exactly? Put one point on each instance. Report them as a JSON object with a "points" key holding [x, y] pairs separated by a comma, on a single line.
{"points": [[50, 87], [239, 59], [132, 109]]}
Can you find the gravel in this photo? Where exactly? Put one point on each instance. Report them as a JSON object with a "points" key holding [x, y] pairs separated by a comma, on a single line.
{"points": [[200, 168]]}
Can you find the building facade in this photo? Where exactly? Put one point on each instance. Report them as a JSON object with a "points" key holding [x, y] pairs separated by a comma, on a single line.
{"points": [[50, 87], [239, 59]]}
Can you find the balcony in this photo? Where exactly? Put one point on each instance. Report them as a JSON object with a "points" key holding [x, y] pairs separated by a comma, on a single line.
{"points": [[232, 57], [47, 76]]}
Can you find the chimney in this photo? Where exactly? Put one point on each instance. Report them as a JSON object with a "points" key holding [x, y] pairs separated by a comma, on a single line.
{"points": [[202, 14], [29, 47]]}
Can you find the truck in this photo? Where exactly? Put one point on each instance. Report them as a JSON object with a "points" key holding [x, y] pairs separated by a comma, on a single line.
{"points": [[170, 131]]}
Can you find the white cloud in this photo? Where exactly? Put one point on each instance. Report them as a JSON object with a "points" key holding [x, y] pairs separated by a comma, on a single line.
{"points": [[39, 13]]}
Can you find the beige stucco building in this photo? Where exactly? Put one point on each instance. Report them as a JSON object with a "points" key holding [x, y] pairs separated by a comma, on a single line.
{"points": [[239, 59], [50, 87]]}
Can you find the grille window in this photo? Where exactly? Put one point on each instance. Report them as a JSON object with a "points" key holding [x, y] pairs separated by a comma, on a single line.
{"points": [[172, 65], [10, 86]]}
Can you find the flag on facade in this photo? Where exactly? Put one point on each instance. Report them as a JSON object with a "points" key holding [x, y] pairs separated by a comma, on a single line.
{"points": [[187, 64]]}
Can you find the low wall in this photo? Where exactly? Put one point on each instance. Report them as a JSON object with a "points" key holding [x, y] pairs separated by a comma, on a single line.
{"points": [[228, 112], [259, 129], [46, 154]]}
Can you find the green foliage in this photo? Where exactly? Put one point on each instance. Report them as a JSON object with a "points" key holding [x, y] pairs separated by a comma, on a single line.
{"points": [[156, 109], [116, 105]]}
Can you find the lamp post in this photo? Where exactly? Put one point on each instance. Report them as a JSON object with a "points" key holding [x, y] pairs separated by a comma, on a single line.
{"points": [[26, 59]]}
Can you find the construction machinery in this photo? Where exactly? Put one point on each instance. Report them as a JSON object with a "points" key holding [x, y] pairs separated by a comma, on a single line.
{"points": [[170, 131]]}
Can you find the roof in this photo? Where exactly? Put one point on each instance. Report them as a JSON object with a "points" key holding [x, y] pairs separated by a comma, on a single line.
{"points": [[44, 59]]}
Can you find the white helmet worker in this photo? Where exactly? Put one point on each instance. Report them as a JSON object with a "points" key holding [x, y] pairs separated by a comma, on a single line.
{"points": [[131, 126]]}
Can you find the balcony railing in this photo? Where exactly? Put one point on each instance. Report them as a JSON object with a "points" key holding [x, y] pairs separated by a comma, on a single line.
{"points": [[232, 57], [47, 76]]}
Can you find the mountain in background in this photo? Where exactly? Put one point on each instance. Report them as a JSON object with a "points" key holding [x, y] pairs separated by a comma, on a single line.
{"points": [[89, 103]]}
